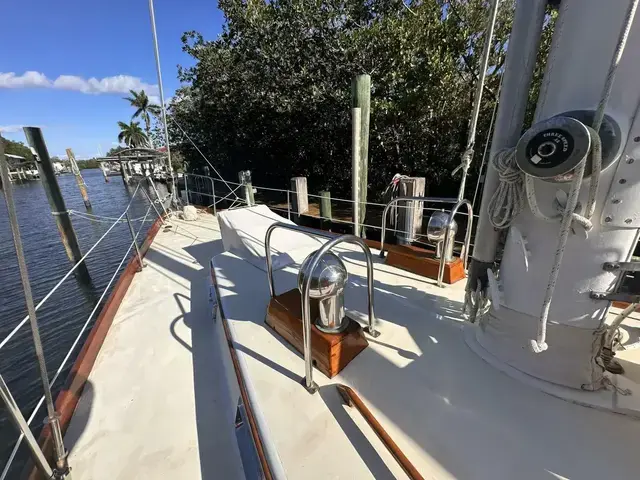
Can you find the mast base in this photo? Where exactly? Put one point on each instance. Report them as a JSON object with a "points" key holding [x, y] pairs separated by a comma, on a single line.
{"points": [[618, 394]]}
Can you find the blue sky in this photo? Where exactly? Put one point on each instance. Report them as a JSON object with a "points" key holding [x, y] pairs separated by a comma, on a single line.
{"points": [[66, 44]]}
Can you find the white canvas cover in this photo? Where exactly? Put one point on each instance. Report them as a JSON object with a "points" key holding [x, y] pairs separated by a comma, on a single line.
{"points": [[243, 233]]}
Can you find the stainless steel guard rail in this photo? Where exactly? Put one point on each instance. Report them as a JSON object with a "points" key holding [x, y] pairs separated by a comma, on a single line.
{"points": [[467, 239], [310, 385], [454, 211], [6, 398]]}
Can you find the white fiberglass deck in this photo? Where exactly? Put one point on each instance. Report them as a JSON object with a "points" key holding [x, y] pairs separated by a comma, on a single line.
{"points": [[152, 406], [450, 412], [157, 404]]}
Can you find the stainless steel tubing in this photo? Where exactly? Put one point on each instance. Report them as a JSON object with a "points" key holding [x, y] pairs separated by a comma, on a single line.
{"points": [[135, 242], [21, 424], [60, 453], [306, 315], [153, 205], [267, 245], [467, 239], [401, 199]]}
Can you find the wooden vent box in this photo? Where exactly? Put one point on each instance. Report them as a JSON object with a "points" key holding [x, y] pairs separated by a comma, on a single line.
{"points": [[331, 352], [424, 262]]}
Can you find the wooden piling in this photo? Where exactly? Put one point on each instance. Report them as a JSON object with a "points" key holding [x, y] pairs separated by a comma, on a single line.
{"points": [[249, 189], [104, 172], [325, 208], [361, 99], [356, 113], [123, 171], [244, 177], [300, 200], [79, 180], [56, 200]]}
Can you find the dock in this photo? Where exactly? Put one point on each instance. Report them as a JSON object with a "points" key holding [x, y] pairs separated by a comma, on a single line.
{"points": [[153, 404]]}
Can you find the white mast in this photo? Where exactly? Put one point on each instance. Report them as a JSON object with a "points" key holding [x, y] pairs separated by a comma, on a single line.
{"points": [[578, 68]]}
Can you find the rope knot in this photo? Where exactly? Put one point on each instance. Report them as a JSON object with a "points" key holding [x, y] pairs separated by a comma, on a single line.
{"points": [[465, 161], [467, 156], [584, 222], [538, 347]]}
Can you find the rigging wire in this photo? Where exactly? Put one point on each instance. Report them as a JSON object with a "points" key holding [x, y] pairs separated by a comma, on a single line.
{"points": [[61, 281], [58, 443], [486, 144], [71, 349], [101, 218], [203, 156], [467, 156]]}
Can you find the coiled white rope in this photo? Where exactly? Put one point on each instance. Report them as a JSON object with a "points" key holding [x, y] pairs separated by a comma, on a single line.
{"points": [[596, 167], [509, 199]]}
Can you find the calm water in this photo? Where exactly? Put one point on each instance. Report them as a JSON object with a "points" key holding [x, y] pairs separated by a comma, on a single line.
{"points": [[62, 316]]}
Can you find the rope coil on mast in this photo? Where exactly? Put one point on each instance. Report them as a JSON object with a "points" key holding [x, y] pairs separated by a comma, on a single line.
{"points": [[515, 186], [508, 200]]}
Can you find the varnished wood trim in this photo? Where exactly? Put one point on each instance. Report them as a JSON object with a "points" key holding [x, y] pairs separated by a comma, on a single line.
{"points": [[257, 439], [423, 262], [352, 399], [620, 304], [68, 398], [331, 352]]}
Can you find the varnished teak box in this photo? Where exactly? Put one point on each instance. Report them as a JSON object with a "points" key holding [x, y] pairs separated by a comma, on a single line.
{"points": [[423, 262], [331, 352]]}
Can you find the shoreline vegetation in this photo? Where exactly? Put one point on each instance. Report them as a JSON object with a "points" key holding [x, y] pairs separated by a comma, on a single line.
{"points": [[19, 149], [272, 93]]}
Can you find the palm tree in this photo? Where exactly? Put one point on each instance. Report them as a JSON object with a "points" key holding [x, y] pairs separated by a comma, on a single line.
{"points": [[144, 107], [132, 134]]}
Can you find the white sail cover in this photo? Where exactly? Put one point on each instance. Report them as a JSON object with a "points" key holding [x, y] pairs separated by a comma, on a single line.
{"points": [[243, 233]]}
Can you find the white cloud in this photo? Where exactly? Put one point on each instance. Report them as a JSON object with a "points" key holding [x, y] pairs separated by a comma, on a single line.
{"points": [[11, 128], [26, 80], [17, 128], [70, 82], [116, 84]]}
